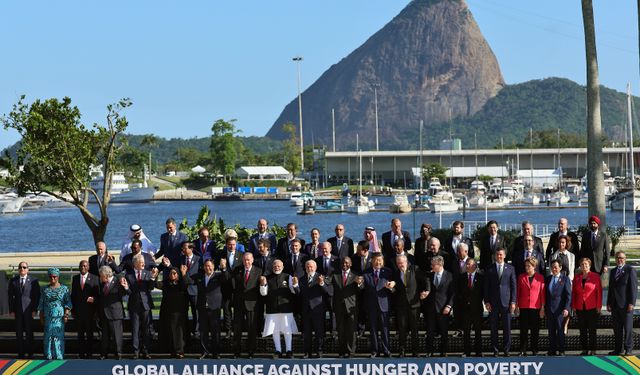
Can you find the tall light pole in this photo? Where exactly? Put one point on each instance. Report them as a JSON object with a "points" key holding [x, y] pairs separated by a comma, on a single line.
{"points": [[297, 59], [375, 100]]}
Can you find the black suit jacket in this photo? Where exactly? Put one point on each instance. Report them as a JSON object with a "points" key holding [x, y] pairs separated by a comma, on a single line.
{"points": [[333, 265], [487, 252], [81, 308], [194, 269], [553, 241], [344, 296], [266, 266], [245, 295], [282, 248], [387, 245], [408, 296], [455, 269], [171, 246], [448, 247], [599, 254], [297, 271], [312, 295], [140, 292], [209, 295], [518, 246], [253, 244], [110, 305], [441, 295], [126, 263], [94, 264], [391, 261], [623, 289], [24, 300], [468, 302], [518, 262], [200, 250], [356, 264], [500, 292], [346, 248]]}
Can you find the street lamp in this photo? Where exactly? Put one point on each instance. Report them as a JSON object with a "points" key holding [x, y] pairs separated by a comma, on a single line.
{"points": [[375, 96], [297, 59]]}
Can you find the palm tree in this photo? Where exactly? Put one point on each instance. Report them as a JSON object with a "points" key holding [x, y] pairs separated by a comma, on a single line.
{"points": [[595, 178]]}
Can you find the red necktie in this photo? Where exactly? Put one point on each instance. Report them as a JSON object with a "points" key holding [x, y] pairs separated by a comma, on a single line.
{"points": [[246, 277], [344, 279], [470, 284], [105, 289], [139, 277], [188, 263]]}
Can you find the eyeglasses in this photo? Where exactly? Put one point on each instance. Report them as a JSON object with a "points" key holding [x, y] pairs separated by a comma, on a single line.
{"points": [[23, 267], [623, 258]]}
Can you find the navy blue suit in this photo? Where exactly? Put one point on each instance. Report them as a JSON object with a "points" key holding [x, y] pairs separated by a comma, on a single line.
{"points": [[23, 302], [518, 261], [193, 269], [377, 301], [253, 244], [209, 302], [500, 292], [314, 309], [557, 299], [201, 249], [139, 306], [622, 292], [171, 246]]}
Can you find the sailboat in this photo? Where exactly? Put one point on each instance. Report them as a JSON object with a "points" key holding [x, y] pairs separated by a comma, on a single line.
{"points": [[361, 205], [628, 199]]}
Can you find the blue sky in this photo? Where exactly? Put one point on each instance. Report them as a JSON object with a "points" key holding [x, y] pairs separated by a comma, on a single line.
{"points": [[187, 64]]}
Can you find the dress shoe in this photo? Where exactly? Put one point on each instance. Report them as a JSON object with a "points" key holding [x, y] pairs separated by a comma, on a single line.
{"points": [[522, 354], [320, 355], [373, 355], [119, 357], [506, 354], [306, 356], [204, 356], [135, 356], [534, 353], [443, 354], [496, 354], [250, 356], [401, 354], [387, 354], [614, 352], [463, 355], [561, 354], [584, 352], [551, 354], [593, 352], [102, 357], [628, 352], [479, 355], [360, 333], [289, 354], [428, 355], [415, 355], [145, 356], [180, 356], [276, 355]]}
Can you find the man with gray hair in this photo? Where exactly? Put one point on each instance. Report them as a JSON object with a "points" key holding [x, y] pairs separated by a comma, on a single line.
{"points": [[111, 310], [458, 263], [519, 244], [438, 306], [141, 283], [411, 288]]}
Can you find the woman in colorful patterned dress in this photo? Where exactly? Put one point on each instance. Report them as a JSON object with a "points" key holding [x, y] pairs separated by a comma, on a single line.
{"points": [[54, 307]]}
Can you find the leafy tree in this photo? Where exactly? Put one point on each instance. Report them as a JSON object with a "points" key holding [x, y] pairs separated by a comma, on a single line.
{"points": [[434, 170], [291, 149], [132, 160], [224, 147], [57, 151], [149, 142]]}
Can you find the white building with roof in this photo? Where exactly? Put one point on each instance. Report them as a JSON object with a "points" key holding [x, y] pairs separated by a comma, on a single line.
{"points": [[263, 173]]}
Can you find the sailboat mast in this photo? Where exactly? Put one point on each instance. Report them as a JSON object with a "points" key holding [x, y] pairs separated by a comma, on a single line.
{"points": [[420, 166], [630, 121]]}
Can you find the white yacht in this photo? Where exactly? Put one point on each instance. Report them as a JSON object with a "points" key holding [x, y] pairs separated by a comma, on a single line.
{"points": [[121, 191], [443, 202], [400, 204], [435, 186], [11, 203]]}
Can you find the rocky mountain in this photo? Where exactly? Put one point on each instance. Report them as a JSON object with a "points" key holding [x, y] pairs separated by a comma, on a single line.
{"points": [[429, 63]]}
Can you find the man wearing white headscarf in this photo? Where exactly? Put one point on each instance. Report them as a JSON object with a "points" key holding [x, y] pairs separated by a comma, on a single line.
{"points": [[135, 232]]}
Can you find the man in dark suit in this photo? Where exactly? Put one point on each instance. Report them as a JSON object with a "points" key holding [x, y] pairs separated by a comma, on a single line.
{"points": [[101, 258], [171, 242], [500, 299], [141, 282], [209, 301], [596, 246], [458, 264], [24, 296], [563, 229], [361, 260], [411, 288], [262, 234], [193, 263], [621, 298], [528, 251], [341, 246], [312, 291], [204, 247], [234, 262], [390, 237], [519, 243], [467, 304], [327, 262], [344, 288], [294, 263], [378, 286], [489, 244], [84, 292], [457, 237], [111, 310], [264, 261], [557, 306], [283, 248], [435, 249], [399, 250], [246, 289], [126, 263], [439, 304]]}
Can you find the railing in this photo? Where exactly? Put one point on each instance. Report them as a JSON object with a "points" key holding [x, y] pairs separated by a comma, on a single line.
{"points": [[540, 230]]}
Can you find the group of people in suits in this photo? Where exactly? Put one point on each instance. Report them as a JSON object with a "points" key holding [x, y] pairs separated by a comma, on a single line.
{"points": [[279, 287]]}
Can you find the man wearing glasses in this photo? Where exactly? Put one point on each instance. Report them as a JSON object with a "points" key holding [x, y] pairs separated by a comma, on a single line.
{"points": [[24, 295], [84, 291], [621, 299]]}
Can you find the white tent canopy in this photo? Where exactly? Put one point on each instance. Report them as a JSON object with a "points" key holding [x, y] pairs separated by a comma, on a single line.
{"points": [[198, 169], [263, 173]]}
